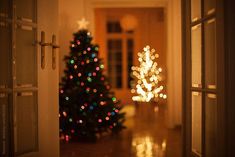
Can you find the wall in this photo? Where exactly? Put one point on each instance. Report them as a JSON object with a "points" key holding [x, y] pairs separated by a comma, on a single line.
{"points": [[76, 9]]}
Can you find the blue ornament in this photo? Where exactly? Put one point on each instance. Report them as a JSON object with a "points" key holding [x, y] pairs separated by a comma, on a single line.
{"points": [[91, 107]]}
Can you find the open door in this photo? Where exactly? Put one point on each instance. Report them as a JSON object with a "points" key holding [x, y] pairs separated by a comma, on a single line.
{"points": [[204, 85], [29, 78]]}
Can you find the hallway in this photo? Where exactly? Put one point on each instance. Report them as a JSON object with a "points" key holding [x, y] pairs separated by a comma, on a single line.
{"points": [[141, 138]]}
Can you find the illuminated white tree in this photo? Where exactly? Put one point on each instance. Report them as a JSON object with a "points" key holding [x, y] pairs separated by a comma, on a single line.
{"points": [[148, 77]]}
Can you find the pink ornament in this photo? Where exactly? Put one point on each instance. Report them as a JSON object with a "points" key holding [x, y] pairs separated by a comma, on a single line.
{"points": [[67, 138]]}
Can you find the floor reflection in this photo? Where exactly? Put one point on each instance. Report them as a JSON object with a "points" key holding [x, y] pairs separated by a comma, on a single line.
{"points": [[146, 147], [146, 136]]}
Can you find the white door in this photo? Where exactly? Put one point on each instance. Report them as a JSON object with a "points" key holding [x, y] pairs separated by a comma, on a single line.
{"points": [[28, 82]]}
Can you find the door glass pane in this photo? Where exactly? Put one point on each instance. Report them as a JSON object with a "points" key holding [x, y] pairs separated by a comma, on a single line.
{"points": [[195, 10], [196, 56], [197, 123], [210, 54], [25, 122], [130, 50], [4, 125], [210, 125], [4, 8], [209, 6], [115, 62], [25, 10], [5, 51], [26, 65], [113, 27]]}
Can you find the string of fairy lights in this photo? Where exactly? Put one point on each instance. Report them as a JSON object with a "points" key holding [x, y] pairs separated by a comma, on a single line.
{"points": [[148, 77]]}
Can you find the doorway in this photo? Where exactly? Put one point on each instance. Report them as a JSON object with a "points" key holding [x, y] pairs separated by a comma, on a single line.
{"points": [[120, 42]]}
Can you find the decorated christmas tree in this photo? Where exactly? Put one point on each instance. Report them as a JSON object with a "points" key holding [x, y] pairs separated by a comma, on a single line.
{"points": [[148, 79], [87, 106]]}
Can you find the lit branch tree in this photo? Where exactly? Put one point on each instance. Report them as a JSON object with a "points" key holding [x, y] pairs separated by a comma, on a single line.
{"points": [[148, 77]]}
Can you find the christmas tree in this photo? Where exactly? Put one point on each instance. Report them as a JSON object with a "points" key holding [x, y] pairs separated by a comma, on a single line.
{"points": [[148, 77], [87, 106]]}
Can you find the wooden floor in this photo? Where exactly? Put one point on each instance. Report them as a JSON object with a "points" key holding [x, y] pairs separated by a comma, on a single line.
{"points": [[146, 136]]}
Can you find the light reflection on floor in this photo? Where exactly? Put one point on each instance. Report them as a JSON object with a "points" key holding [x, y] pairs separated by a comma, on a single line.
{"points": [[146, 147], [146, 136]]}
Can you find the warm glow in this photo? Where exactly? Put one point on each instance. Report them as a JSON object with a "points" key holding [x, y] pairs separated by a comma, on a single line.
{"points": [[147, 147], [148, 75]]}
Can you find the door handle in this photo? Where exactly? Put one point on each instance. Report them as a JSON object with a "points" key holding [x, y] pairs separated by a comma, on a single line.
{"points": [[54, 47], [43, 45]]}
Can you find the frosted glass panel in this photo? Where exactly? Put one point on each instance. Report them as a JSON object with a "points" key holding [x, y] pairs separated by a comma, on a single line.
{"points": [[211, 126], [209, 6], [195, 10], [26, 65], [26, 9], [210, 54], [196, 56], [196, 123], [26, 122], [3, 125], [5, 50], [4, 8]]}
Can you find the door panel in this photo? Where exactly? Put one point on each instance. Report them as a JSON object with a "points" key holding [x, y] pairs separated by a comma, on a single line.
{"points": [[26, 122], [4, 125], [26, 57], [196, 56], [211, 126], [5, 45], [28, 94], [26, 10], [196, 123], [210, 55]]}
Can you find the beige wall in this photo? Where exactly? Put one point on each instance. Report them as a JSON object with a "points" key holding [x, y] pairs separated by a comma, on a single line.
{"points": [[74, 10]]}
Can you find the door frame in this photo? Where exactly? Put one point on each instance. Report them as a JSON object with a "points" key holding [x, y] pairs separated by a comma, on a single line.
{"points": [[173, 47]]}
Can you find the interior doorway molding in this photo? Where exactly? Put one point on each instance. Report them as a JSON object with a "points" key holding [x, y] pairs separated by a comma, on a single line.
{"points": [[172, 13]]}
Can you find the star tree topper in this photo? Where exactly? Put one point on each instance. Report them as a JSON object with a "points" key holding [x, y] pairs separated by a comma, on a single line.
{"points": [[82, 24]]}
